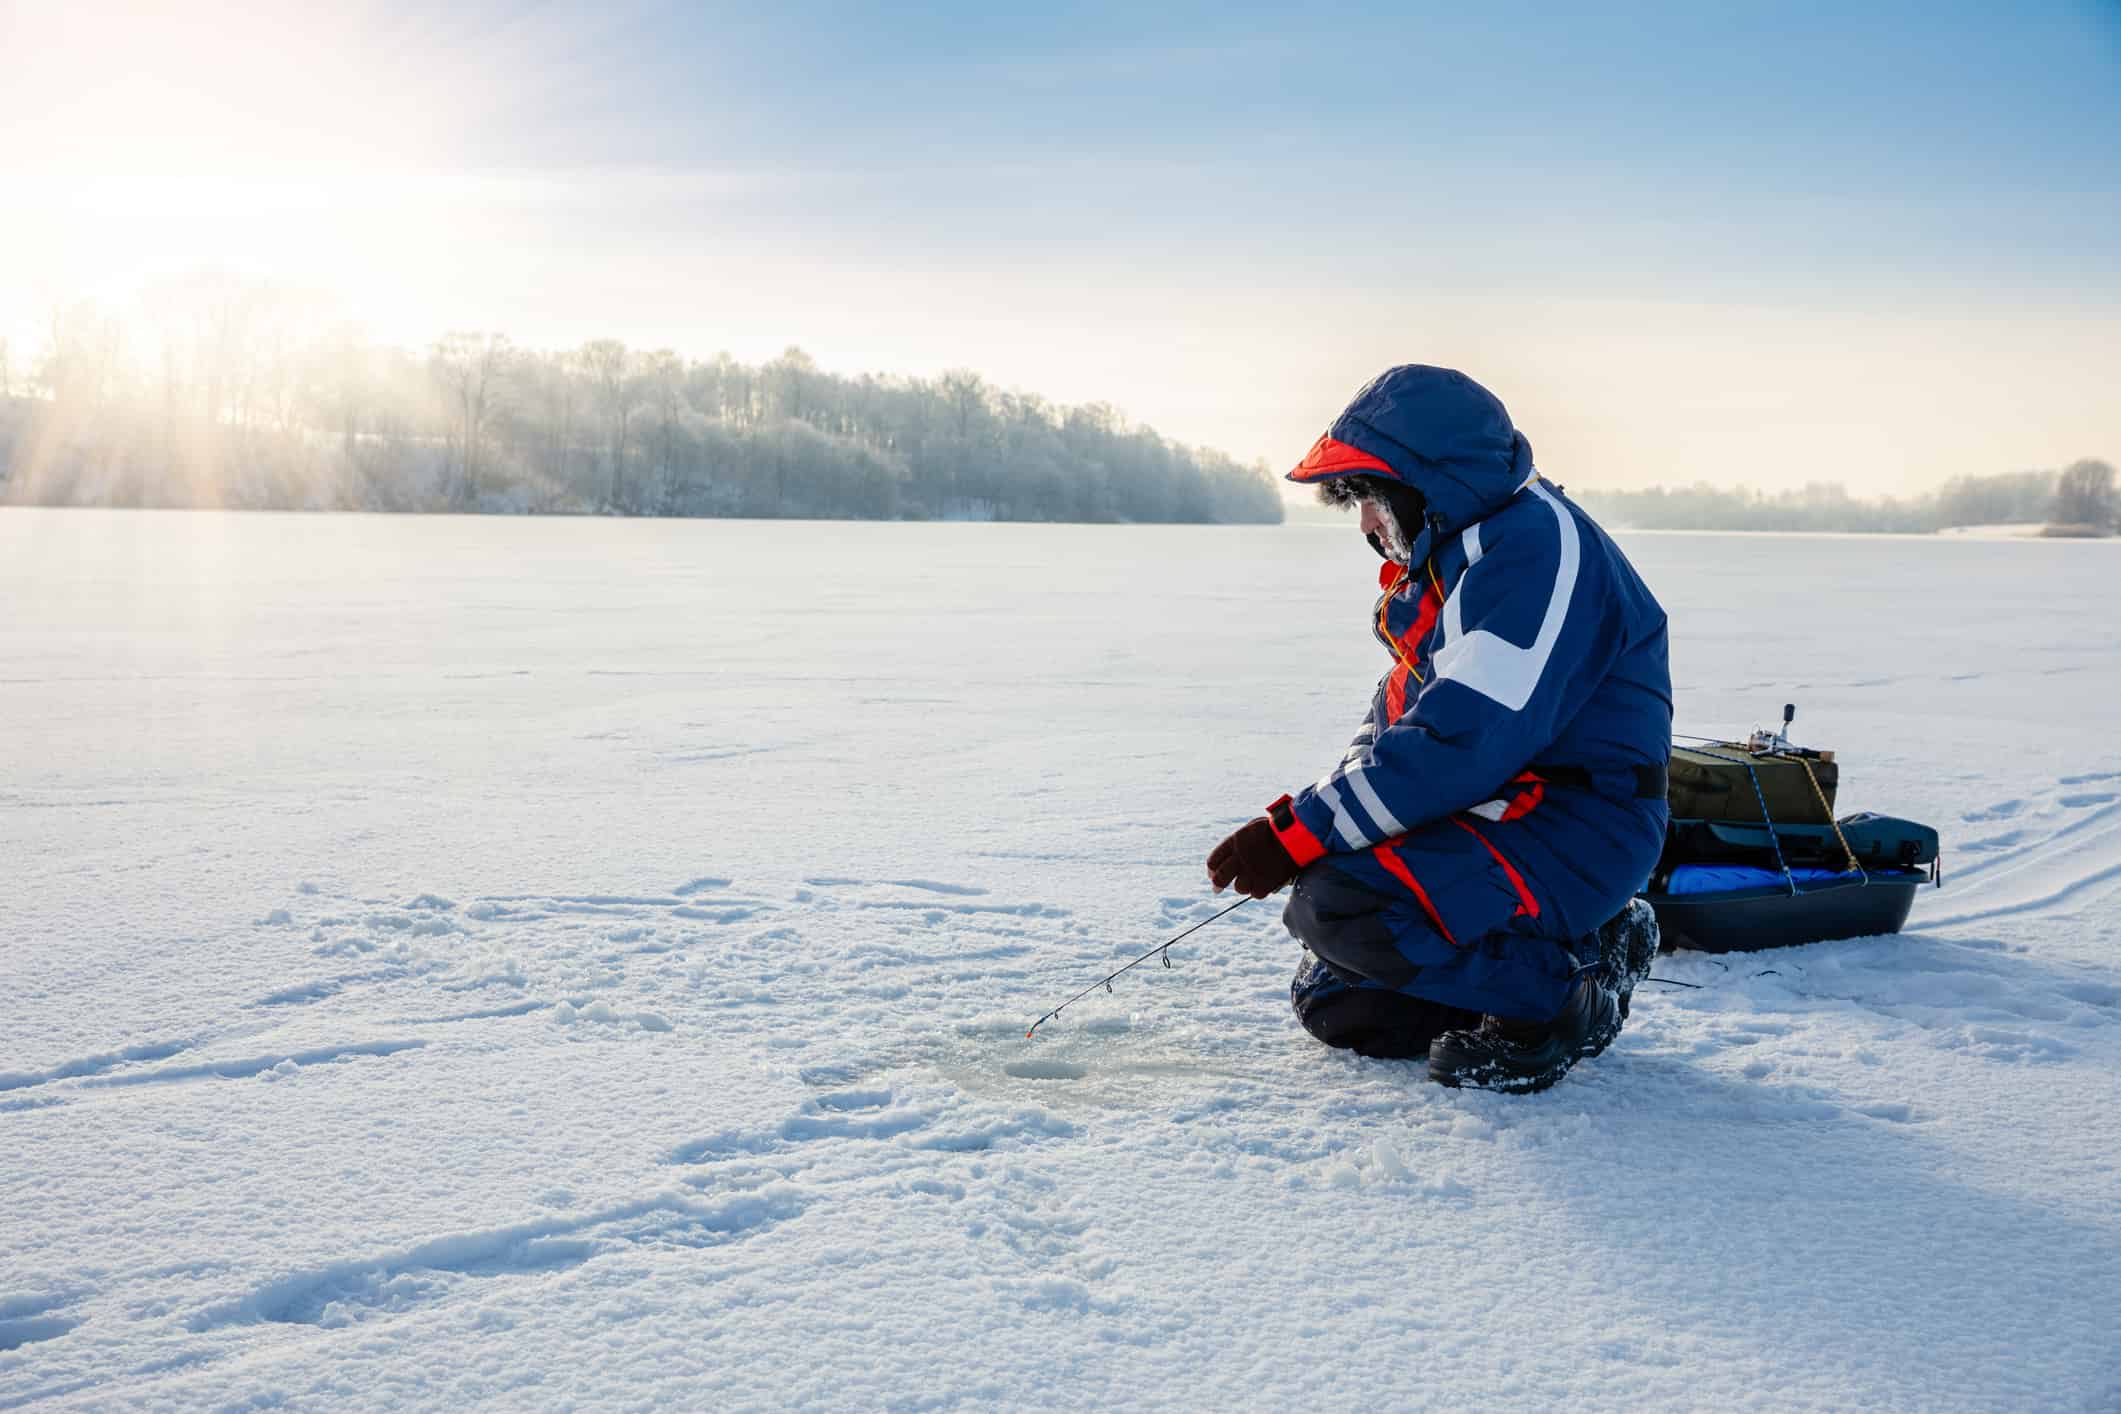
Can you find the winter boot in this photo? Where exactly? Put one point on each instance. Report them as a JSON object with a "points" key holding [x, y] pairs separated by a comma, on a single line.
{"points": [[1519, 1057], [1627, 946]]}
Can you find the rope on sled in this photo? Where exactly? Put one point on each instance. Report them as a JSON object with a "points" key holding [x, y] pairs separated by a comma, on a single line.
{"points": [[1854, 866], [1745, 759]]}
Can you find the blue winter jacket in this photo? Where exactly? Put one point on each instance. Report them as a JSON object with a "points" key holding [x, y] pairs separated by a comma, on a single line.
{"points": [[1521, 637]]}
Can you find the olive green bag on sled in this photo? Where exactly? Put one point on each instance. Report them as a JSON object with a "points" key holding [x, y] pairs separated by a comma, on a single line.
{"points": [[1717, 783]]}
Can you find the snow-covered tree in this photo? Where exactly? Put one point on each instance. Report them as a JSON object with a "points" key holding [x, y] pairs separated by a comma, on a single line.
{"points": [[2084, 495], [469, 368]]}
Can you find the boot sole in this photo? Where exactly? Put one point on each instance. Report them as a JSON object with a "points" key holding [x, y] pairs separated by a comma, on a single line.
{"points": [[1480, 1073], [1498, 1080]]}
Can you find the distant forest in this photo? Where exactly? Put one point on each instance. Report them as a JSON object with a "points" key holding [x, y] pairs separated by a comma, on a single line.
{"points": [[237, 400], [225, 393], [2080, 496]]}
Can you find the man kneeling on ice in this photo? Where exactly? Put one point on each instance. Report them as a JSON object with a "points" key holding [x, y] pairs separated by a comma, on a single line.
{"points": [[1464, 876]]}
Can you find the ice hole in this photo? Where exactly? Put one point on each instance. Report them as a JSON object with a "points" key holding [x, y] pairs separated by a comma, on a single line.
{"points": [[1045, 1070]]}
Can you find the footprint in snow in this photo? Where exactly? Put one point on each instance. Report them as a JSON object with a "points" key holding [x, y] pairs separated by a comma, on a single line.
{"points": [[27, 1320], [887, 895], [348, 1292], [875, 1115]]}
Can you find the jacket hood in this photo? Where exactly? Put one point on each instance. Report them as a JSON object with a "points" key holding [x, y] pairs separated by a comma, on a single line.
{"points": [[1434, 429]]}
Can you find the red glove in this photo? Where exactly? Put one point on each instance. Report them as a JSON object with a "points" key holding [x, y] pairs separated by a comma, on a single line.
{"points": [[1253, 859]]}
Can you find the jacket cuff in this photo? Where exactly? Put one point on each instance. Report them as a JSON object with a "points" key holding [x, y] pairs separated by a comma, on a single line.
{"points": [[1295, 836]]}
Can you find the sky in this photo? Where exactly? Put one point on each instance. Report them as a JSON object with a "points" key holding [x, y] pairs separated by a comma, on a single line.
{"points": [[1767, 244]]}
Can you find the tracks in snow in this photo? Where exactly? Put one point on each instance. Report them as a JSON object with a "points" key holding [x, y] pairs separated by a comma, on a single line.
{"points": [[373, 983], [2057, 850], [599, 961], [26, 1320], [396, 1281]]}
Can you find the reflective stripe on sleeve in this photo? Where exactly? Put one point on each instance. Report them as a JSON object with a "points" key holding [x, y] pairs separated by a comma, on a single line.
{"points": [[1359, 781], [1343, 823]]}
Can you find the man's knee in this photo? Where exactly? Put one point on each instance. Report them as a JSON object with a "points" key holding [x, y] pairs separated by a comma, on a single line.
{"points": [[1345, 923], [1369, 1021]]}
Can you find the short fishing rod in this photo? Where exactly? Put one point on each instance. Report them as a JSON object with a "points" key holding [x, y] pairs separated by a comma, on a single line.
{"points": [[1106, 982]]}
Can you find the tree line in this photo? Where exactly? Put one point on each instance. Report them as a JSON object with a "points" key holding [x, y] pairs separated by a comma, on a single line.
{"points": [[2080, 495], [238, 395], [237, 400]]}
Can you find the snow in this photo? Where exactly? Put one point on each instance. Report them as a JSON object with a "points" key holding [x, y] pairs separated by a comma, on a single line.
{"points": [[551, 962]]}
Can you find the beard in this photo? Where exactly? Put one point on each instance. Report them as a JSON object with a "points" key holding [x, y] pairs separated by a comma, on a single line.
{"points": [[1400, 512], [1390, 540]]}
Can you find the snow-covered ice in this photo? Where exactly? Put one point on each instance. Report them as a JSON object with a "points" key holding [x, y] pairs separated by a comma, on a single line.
{"points": [[546, 962]]}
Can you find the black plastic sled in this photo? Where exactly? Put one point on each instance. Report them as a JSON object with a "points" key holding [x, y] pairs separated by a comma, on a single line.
{"points": [[1771, 916], [1773, 868]]}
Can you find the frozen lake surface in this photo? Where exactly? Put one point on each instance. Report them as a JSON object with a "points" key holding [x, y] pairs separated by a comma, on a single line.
{"points": [[546, 962]]}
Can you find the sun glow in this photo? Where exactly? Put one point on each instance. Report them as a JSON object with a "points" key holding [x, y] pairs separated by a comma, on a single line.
{"points": [[148, 141], [670, 178]]}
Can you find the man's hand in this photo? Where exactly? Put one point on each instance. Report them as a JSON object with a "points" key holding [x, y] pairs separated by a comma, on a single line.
{"points": [[1253, 859]]}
